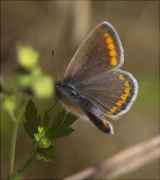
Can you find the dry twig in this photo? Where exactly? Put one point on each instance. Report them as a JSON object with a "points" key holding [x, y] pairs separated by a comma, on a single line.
{"points": [[123, 162]]}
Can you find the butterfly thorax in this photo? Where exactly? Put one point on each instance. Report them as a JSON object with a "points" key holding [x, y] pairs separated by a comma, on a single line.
{"points": [[68, 95], [66, 89]]}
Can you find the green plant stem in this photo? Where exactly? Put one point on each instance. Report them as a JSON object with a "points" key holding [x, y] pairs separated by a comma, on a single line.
{"points": [[13, 145], [13, 139], [26, 161]]}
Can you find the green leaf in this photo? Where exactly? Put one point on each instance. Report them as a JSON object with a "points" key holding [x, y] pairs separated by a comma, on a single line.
{"points": [[46, 119], [41, 129], [51, 131], [69, 119], [47, 154], [63, 123], [63, 133], [28, 130], [59, 118], [33, 120]]}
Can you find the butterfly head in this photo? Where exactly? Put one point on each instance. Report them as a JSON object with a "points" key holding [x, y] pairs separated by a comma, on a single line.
{"points": [[57, 84]]}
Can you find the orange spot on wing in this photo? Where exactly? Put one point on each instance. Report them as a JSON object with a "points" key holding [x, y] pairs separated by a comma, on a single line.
{"points": [[124, 97], [108, 40], [104, 124], [121, 77], [127, 90], [106, 34], [113, 53], [112, 110], [111, 46], [126, 83], [99, 30], [119, 103], [113, 61]]}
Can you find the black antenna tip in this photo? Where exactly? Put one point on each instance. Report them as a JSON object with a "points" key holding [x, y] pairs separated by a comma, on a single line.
{"points": [[55, 64]]}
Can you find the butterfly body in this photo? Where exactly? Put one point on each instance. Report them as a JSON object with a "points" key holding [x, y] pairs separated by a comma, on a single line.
{"points": [[93, 84], [81, 105]]}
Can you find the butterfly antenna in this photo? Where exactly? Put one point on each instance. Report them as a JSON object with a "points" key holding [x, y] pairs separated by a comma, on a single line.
{"points": [[56, 101], [55, 64]]}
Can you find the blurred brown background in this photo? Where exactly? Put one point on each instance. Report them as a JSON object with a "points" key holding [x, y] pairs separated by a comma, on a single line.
{"points": [[62, 26]]}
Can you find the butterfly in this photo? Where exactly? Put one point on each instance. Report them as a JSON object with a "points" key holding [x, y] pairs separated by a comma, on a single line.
{"points": [[93, 85]]}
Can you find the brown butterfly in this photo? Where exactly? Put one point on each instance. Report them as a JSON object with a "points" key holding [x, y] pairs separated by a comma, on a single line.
{"points": [[93, 84]]}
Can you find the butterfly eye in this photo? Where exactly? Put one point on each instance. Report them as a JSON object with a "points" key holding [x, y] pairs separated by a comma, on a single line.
{"points": [[58, 84]]}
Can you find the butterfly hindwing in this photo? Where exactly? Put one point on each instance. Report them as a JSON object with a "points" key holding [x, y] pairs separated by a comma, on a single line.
{"points": [[113, 92]]}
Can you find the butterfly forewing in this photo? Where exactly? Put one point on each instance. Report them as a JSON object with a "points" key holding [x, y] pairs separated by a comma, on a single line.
{"points": [[100, 52]]}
